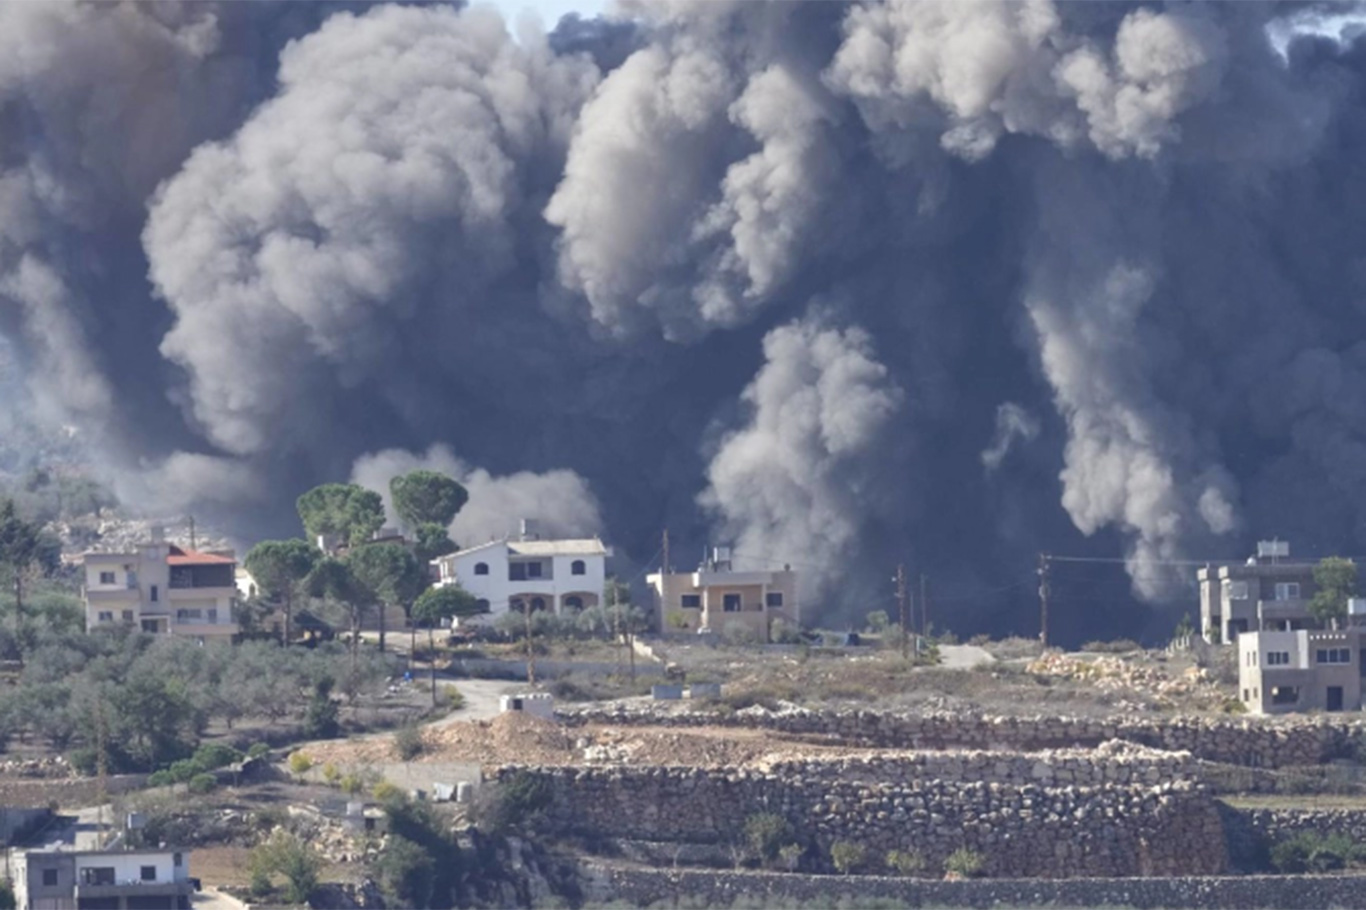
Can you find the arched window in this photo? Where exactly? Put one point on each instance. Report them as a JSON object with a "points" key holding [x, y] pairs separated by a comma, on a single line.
{"points": [[482, 604], [577, 567], [481, 568], [537, 603], [574, 602]]}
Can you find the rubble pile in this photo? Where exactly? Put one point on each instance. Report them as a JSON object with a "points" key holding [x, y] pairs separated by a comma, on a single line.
{"points": [[1121, 677], [110, 532]]}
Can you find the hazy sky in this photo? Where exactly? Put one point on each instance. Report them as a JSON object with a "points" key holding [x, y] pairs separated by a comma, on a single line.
{"points": [[550, 11]]}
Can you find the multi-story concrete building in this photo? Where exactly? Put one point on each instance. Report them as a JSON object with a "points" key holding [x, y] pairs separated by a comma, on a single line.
{"points": [[1301, 670], [1268, 592], [716, 598], [528, 573], [163, 589], [102, 880]]}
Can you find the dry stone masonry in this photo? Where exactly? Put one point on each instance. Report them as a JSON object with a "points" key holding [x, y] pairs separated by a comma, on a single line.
{"points": [[1172, 828], [1259, 742]]}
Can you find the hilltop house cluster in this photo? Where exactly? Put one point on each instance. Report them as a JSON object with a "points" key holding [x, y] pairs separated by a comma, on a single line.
{"points": [[1286, 663], [165, 589]]}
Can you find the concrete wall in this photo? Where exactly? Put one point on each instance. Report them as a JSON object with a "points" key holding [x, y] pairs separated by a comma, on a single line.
{"points": [[1054, 832], [1256, 742], [636, 887]]}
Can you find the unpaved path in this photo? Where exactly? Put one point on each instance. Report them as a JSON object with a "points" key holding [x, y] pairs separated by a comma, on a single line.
{"points": [[963, 657]]}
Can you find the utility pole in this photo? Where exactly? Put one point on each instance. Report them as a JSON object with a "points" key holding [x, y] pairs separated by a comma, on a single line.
{"points": [[903, 604], [192, 538], [664, 569], [924, 608], [1043, 599], [101, 762], [530, 651]]}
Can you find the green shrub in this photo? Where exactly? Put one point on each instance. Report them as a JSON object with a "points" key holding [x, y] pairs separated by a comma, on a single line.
{"points": [[791, 856], [160, 779], [408, 743], [964, 863], [182, 771], [765, 834], [450, 698], [331, 774], [351, 784], [878, 620], [1232, 706], [905, 862], [511, 802], [847, 856], [216, 755], [1313, 852], [203, 783], [286, 855], [387, 791], [299, 763], [258, 750]]}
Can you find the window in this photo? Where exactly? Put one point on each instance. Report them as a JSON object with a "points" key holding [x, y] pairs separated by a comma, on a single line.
{"points": [[692, 601], [482, 604], [153, 594], [577, 567], [106, 616], [212, 615], [1277, 658], [516, 571], [481, 568], [98, 875], [49, 877], [574, 602], [1287, 590], [533, 570], [1285, 695], [1247, 695], [188, 615], [106, 578], [127, 615], [1333, 656], [1235, 590], [730, 603], [538, 603], [773, 599], [148, 873], [176, 859]]}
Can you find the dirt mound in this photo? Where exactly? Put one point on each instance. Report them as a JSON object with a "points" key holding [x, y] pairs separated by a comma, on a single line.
{"points": [[511, 737]]}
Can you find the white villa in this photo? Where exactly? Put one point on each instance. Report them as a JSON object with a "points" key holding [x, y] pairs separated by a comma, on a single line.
{"points": [[562, 576]]}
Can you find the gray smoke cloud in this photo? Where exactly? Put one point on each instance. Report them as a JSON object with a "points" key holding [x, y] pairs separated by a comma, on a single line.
{"points": [[559, 502], [1012, 422], [757, 272], [792, 485]]}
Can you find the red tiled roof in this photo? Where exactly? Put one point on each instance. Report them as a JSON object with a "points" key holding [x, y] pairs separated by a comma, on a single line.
{"points": [[182, 557]]}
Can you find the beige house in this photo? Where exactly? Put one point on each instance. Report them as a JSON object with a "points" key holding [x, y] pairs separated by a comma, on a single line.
{"points": [[1301, 670], [1268, 592], [163, 589], [716, 598]]}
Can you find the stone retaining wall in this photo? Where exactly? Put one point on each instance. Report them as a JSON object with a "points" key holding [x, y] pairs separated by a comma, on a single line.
{"points": [[1257, 742], [1055, 832], [1115, 762], [1276, 825], [636, 887]]}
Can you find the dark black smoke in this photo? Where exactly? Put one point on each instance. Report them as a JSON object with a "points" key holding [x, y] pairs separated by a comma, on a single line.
{"points": [[844, 285]]}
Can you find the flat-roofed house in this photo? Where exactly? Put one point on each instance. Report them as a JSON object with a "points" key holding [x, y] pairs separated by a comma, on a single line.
{"points": [[163, 589]]}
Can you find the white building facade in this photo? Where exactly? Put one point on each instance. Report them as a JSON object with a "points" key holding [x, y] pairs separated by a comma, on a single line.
{"points": [[162, 589], [561, 576]]}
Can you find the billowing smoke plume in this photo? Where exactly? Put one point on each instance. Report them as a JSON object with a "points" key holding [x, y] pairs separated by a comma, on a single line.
{"points": [[791, 487], [760, 273], [559, 502]]}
